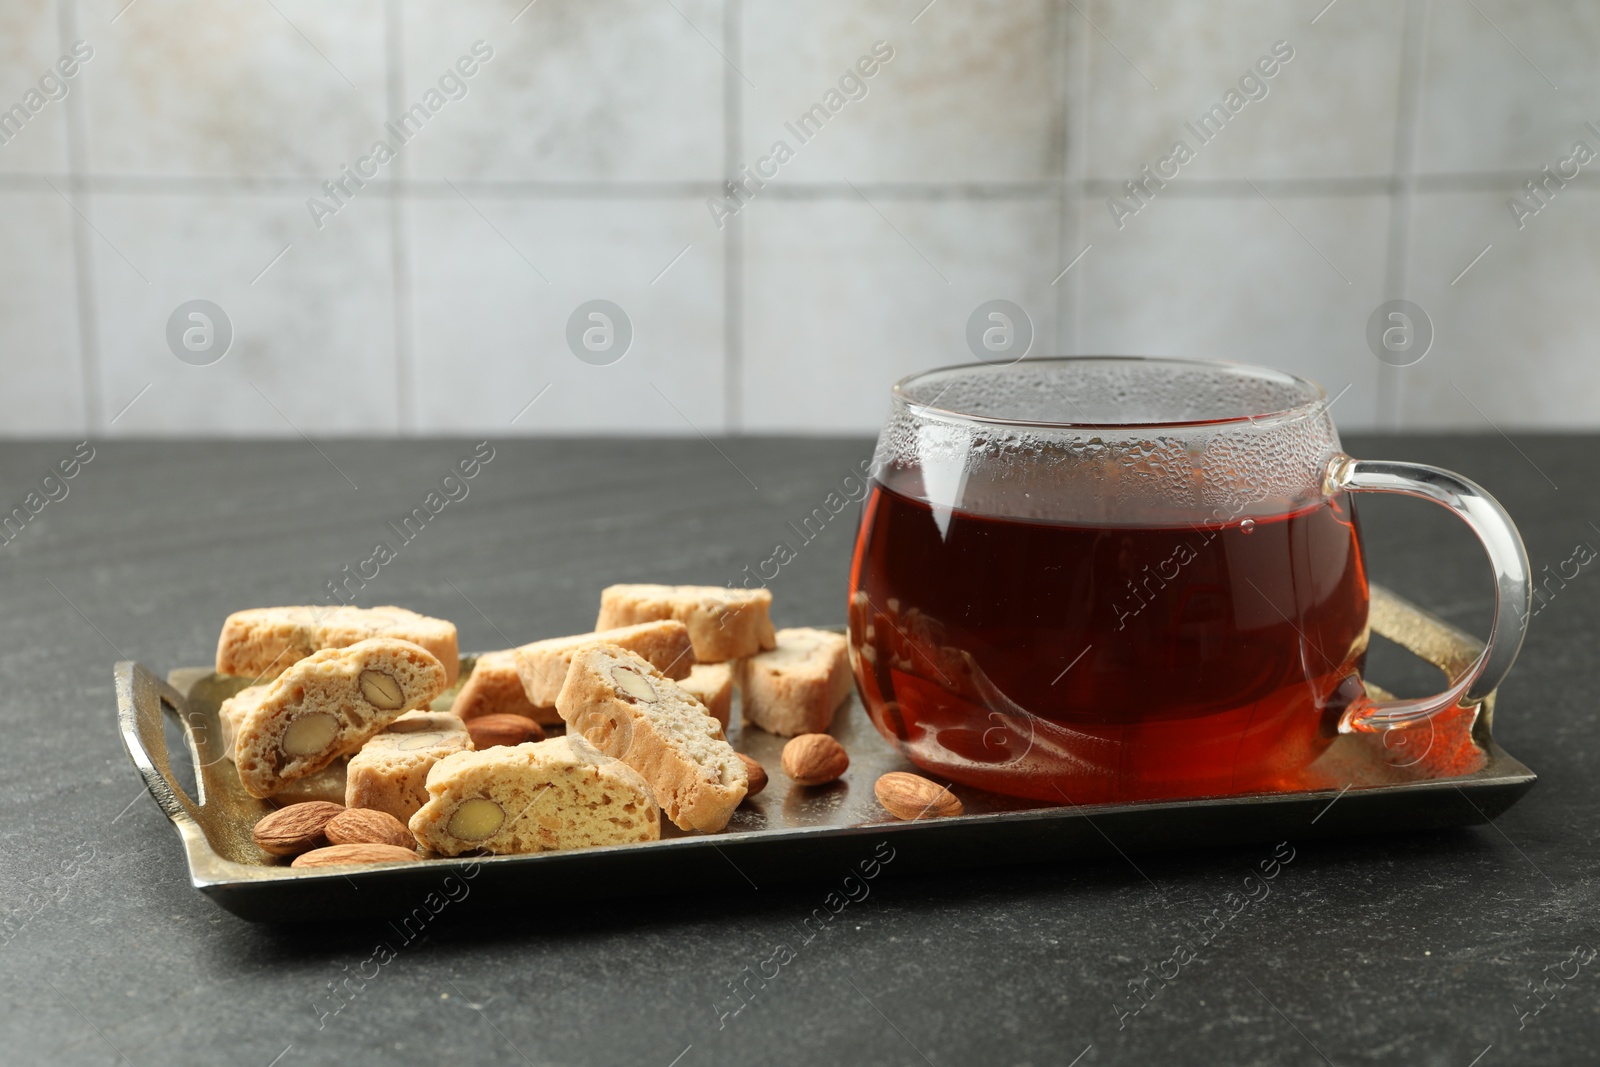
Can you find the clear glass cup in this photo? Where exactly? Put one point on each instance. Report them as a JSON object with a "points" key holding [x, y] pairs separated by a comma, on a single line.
{"points": [[1112, 579]]}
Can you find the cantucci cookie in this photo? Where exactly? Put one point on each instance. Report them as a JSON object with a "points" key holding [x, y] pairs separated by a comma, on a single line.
{"points": [[663, 644], [536, 797], [628, 709], [390, 773], [262, 643], [712, 685], [723, 623], [795, 688], [327, 705], [235, 709], [495, 688]]}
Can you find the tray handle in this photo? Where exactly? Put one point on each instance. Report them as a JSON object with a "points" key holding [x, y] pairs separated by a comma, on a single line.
{"points": [[142, 699]]}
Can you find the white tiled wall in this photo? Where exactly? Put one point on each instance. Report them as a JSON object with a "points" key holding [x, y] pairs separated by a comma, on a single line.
{"points": [[576, 159]]}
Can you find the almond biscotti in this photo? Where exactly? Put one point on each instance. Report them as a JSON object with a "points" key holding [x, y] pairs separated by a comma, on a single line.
{"points": [[535, 797], [712, 685], [630, 710], [327, 705], [795, 688], [261, 643], [495, 688], [723, 624], [390, 773], [663, 644]]}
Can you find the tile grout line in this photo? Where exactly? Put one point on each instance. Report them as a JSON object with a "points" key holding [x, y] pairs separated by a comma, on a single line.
{"points": [[405, 371], [82, 249], [1044, 190], [1064, 199], [1077, 178], [733, 236], [1413, 71]]}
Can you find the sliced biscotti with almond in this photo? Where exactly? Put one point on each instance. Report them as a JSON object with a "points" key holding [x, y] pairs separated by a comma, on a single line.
{"points": [[630, 710], [262, 643], [712, 685], [543, 665], [390, 773], [723, 624], [795, 688], [495, 688], [535, 797], [327, 705]]}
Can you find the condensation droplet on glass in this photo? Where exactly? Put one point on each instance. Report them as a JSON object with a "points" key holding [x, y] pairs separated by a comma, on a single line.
{"points": [[1247, 526]]}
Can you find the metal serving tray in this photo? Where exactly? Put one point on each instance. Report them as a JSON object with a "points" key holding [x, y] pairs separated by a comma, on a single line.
{"points": [[792, 833]]}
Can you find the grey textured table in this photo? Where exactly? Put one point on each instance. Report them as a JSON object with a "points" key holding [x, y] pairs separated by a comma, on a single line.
{"points": [[1414, 949]]}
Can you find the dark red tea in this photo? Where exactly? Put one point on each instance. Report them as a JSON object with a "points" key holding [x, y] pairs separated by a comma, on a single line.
{"points": [[1108, 663]]}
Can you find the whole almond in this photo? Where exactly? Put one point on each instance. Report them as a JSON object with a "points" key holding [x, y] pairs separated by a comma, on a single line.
{"points": [[296, 828], [352, 855], [758, 774], [911, 796], [813, 759], [364, 826], [504, 728]]}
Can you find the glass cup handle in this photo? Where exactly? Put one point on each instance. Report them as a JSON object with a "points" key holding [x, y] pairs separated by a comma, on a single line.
{"points": [[1513, 587]]}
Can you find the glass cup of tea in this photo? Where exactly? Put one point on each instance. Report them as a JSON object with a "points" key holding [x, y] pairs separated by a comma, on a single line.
{"points": [[1117, 579]]}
